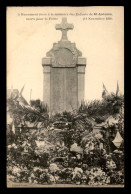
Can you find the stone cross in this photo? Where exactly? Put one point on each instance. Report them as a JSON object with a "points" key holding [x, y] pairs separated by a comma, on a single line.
{"points": [[64, 74], [64, 27]]}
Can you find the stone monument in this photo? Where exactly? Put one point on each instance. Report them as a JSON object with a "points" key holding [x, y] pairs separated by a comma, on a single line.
{"points": [[64, 74]]}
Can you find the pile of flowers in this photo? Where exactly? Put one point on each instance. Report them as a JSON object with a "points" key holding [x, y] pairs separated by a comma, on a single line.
{"points": [[70, 155], [64, 148], [97, 176], [48, 163]]}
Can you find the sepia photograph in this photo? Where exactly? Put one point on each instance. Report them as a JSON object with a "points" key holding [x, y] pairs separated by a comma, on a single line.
{"points": [[65, 97]]}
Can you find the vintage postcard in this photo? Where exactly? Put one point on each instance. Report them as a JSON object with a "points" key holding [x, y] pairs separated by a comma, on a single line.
{"points": [[65, 96]]}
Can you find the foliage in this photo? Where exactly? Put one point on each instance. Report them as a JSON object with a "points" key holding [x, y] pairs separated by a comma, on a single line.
{"points": [[22, 113], [108, 106], [39, 105], [44, 155]]}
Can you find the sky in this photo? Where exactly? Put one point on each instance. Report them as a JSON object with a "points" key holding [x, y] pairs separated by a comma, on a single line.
{"points": [[101, 41]]}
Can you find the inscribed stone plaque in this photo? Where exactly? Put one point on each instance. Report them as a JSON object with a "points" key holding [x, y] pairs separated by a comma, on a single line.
{"points": [[63, 57]]}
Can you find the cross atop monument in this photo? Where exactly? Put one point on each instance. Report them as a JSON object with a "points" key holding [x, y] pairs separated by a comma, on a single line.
{"points": [[64, 74], [64, 27]]}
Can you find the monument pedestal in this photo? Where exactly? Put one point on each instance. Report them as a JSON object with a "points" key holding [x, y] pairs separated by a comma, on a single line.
{"points": [[64, 74]]}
